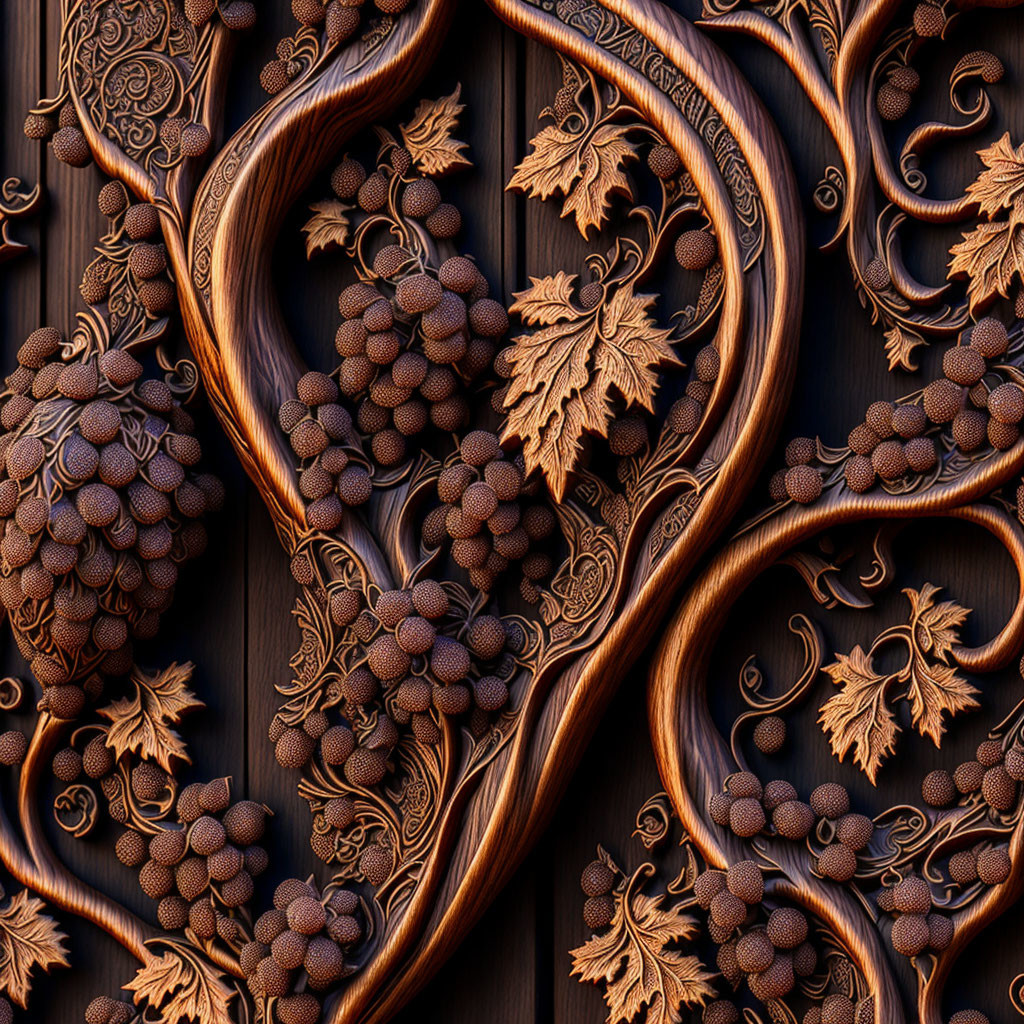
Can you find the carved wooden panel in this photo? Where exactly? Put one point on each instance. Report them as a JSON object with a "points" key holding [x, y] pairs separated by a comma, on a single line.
{"points": [[512, 509]]}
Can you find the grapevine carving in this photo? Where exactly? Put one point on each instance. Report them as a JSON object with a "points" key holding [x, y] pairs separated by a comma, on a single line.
{"points": [[489, 499]]}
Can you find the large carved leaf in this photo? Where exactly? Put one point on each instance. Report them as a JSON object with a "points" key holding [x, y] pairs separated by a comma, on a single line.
{"points": [[183, 989], [585, 168], [632, 958], [563, 375], [935, 690], [428, 136], [143, 723], [989, 256], [935, 687], [328, 226], [28, 939], [998, 186], [858, 717]]}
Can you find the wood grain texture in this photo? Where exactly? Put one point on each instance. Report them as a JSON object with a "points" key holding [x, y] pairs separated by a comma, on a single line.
{"points": [[232, 616]]}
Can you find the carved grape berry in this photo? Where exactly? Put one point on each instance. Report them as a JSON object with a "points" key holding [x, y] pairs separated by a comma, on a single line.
{"points": [[937, 789], [696, 249]]}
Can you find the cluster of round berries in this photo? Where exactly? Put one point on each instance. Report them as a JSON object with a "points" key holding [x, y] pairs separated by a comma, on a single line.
{"points": [[745, 804], [686, 413], [143, 253], [989, 865], [769, 954], [423, 672], [994, 772], [210, 859], [330, 479], [597, 882], [696, 248], [148, 781], [301, 944], [482, 514], [892, 440], [236, 14], [916, 928], [339, 18], [179, 137], [93, 562], [406, 359], [893, 97], [105, 1010]]}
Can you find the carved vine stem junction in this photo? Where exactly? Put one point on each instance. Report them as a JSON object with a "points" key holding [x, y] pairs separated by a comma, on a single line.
{"points": [[484, 527]]}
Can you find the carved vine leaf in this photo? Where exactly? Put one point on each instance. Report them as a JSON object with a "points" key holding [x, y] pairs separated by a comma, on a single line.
{"points": [[563, 375], [183, 989], [585, 167], [858, 717], [143, 723], [991, 254], [428, 136], [28, 939], [998, 186], [328, 226], [935, 688], [631, 958], [900, 345]]}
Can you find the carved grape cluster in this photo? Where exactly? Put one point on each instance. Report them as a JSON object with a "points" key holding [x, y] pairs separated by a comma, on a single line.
{"points": [[897, 439], [916, 928], [422, 660], [100, 506], [483, 516], [337, 19], [200, 869], [302, 943], [994, 773]]}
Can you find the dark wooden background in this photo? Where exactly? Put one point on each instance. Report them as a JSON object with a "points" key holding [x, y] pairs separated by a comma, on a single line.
{"points": [[232, 612]]}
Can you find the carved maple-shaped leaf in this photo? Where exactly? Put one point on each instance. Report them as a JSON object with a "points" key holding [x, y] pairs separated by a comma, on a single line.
{"points": [[989, 256], [858, 717], [631, 958], [584, 167], [428, 136], [328, 226], [935, 688], [183, 988], [997, 187], [28, 939], [900, 345], [936, 626], [563, 375], [142, 723], [547, 300]]}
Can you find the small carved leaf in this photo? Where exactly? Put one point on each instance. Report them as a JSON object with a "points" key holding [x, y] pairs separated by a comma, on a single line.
{"points": [[28, 939], [183, 988], [143, 723], [900, 345], [328, 226], [639, 971], [586, 168], [989, 256], [564, 373], [547, 300], [936, 626], [428, 136], [998, 186], [858, 717]]}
